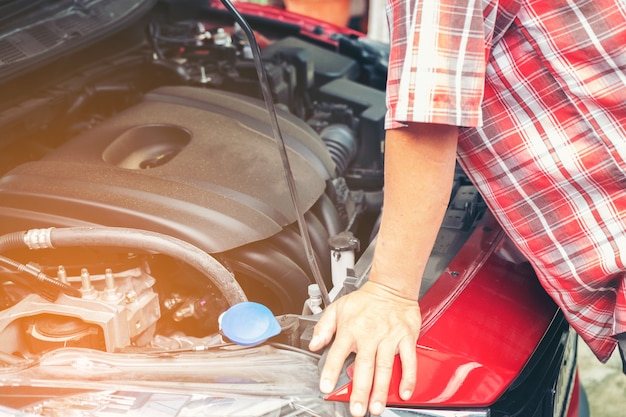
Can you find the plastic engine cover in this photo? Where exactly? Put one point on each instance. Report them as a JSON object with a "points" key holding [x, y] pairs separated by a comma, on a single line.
{"points": [[198, 164]]}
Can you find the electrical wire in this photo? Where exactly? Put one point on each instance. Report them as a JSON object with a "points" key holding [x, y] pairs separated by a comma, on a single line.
{"points": [[45, 286]]}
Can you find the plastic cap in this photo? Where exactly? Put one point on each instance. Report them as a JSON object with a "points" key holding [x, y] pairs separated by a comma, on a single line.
{"points": [[249, 323], [314, 290]]}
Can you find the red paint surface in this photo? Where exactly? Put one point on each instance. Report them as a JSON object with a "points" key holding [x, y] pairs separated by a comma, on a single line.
{"points": [[481, 323]]}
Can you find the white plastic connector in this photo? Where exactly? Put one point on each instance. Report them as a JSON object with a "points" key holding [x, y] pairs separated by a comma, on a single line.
{"points": [[313, 305], [38, 238], [342, 255]]}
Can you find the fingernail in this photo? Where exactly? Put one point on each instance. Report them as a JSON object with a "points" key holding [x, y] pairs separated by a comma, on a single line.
{"points": [[326, 386], [377, 408], [315, 340], [406, 395], [357, 409]]}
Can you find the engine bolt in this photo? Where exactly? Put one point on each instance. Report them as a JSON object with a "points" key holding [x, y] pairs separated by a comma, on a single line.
{"points": [[173, 301], [130, 297], [62, 274], [87, 290], [110, 290], [184, 312]]}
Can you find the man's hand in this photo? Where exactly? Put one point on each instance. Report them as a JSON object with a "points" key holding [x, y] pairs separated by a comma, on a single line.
{"points": [[382, 318], [375, 323]]}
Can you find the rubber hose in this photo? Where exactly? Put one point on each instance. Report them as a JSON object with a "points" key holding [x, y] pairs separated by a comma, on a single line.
{"points": [[280, 274], [319, 238], [341, 144], [153, 242], [326, 211], [13, 240]]}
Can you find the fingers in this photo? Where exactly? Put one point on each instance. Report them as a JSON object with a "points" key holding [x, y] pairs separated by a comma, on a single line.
{"points": [[338, 352], [380, 370], [377, 365], [364, 365], [335, 359], [375, 326], [408, 357], [382, 377]]}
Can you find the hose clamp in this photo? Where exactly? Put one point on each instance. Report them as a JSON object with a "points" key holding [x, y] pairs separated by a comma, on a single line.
{"points": [[38, 238]]}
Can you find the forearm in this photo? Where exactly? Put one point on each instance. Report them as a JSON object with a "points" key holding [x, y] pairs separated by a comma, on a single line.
{"points": [[419, 170]]}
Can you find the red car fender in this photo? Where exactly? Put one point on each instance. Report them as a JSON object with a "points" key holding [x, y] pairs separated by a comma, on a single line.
{"points": [[504, 311]]}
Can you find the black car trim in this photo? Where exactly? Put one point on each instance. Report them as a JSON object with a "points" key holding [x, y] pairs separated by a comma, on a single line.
{"points": [[532, 394]]}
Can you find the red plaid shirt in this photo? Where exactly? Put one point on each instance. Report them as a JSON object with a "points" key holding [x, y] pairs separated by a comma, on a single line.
{"points": [[539, 88]]}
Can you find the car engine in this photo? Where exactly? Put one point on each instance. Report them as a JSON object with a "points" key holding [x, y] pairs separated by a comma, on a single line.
{"points": [[142, 189]]}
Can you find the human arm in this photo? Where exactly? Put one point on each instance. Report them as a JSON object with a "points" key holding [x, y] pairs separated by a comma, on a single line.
{"points": [[382, 318]]}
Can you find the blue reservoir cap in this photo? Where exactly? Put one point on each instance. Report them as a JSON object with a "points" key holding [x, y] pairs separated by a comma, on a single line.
{"points": [[249, 323]]}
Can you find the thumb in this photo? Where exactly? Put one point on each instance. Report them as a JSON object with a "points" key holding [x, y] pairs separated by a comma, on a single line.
{"points": [[324, 329]]}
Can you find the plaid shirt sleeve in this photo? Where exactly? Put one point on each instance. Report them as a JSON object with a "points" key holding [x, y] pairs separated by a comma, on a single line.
{"points": [[550, 155], [437, 62]]}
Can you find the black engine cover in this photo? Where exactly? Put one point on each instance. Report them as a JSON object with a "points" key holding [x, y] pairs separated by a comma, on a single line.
{"points": [[198, 164]]}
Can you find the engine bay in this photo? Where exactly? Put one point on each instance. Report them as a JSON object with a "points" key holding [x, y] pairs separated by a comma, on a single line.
{"points": [[142, 192]]}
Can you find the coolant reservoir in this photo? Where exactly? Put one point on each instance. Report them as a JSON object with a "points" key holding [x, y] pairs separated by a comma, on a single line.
{"points": [[248, 324]]}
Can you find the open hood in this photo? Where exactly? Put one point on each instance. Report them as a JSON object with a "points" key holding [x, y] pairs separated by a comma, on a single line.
{"points": [[32, 33]]}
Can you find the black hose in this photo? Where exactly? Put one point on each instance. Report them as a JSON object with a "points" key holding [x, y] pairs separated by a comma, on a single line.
{"points": [[10, 241], [333, 220], [135, 239], [155, 242], [341, 143], [264, 267]]}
